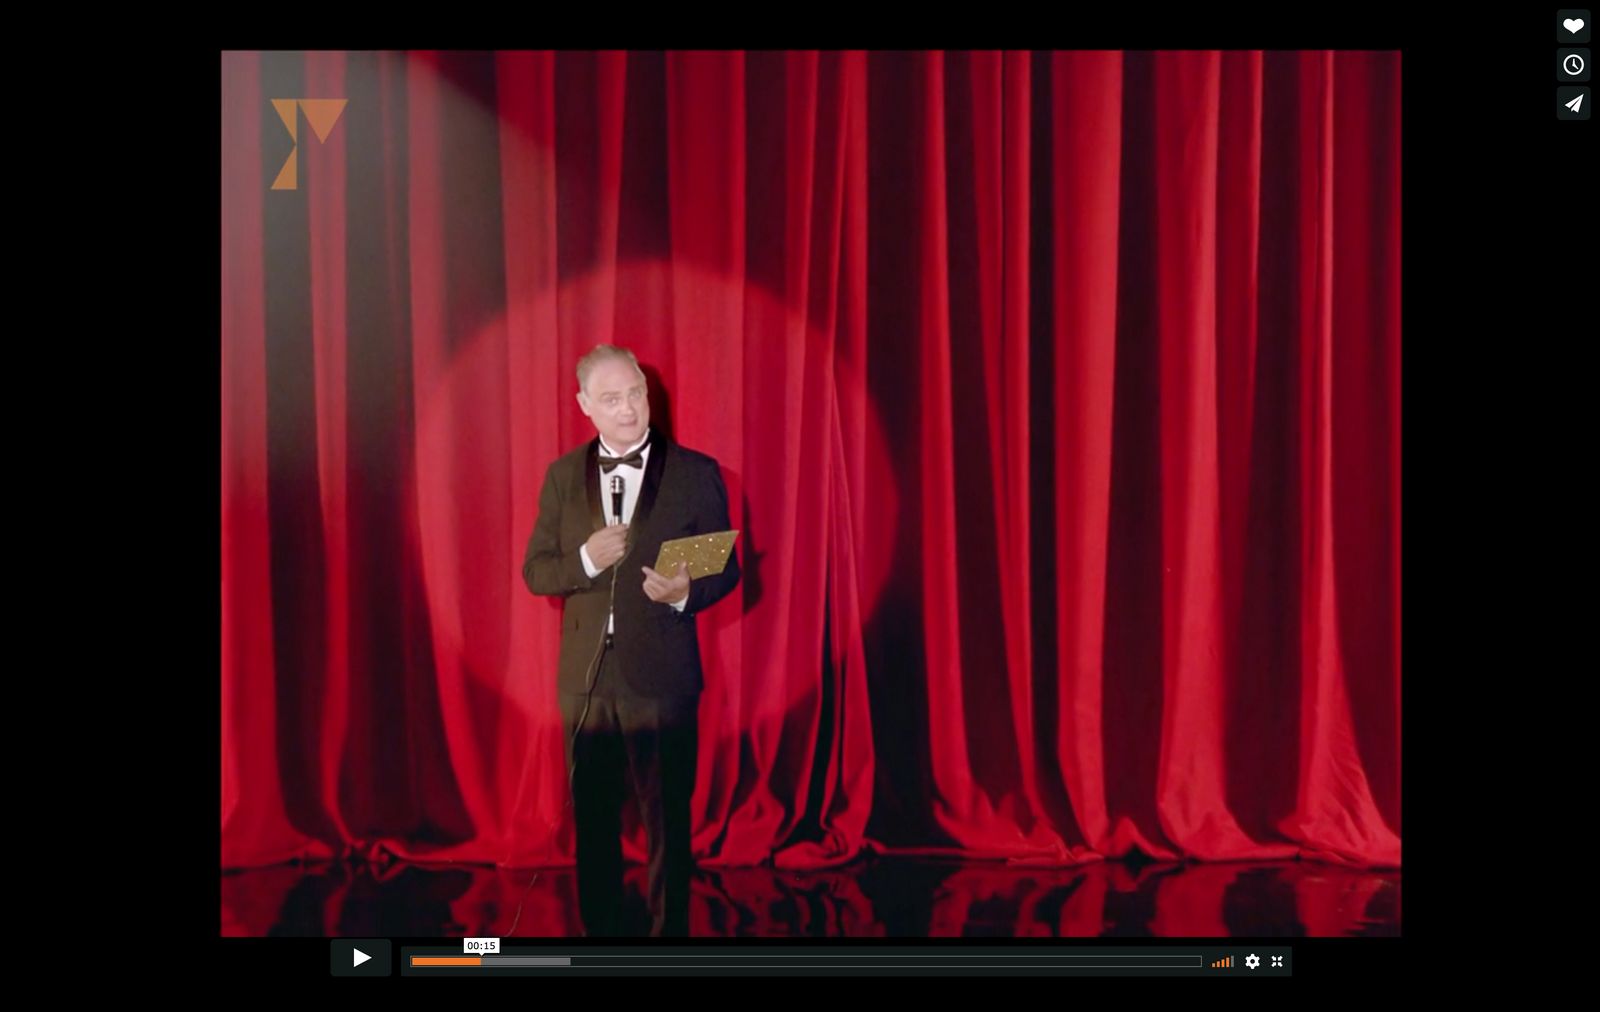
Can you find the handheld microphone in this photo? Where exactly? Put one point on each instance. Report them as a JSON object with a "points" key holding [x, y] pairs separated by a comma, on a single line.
{"points": [[616, 497]]}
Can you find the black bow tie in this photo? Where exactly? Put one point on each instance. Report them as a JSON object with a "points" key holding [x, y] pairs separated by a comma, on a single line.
{"points": [[633, 459]]}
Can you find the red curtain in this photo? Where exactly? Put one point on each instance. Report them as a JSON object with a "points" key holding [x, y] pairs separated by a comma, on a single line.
{"points": [[1057, 396]]}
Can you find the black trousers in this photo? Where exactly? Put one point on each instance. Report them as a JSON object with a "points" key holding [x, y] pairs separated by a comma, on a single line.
{"points": [[653, 743]]}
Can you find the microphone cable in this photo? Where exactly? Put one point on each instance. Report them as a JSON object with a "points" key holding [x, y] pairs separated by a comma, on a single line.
{"points": [[591, 676]]}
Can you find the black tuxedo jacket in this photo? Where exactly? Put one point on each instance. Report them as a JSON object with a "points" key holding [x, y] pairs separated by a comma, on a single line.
{"points": [[682, 494]]}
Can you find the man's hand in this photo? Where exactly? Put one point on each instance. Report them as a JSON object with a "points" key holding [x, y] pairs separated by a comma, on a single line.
{"points": [[606, 545], [667, 591]]}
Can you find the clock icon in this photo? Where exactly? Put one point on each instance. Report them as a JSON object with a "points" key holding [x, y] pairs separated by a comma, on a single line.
{"points": [[1572, 65]]}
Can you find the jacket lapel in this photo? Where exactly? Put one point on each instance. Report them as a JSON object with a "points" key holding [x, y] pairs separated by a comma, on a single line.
{"points": [[659, 448], [591, 470]]}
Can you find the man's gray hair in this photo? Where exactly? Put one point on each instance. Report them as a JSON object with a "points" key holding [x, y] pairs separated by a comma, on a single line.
{"points": [[598, 354]]}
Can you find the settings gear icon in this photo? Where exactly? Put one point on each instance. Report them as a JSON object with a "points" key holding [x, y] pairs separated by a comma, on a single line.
{"points": [[1252, 961]]}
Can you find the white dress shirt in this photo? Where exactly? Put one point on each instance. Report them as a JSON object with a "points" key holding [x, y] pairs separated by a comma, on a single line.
{"points": [[632, 481]]}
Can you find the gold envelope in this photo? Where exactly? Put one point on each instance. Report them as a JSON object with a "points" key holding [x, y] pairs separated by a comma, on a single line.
{"points": [[706, 554]]}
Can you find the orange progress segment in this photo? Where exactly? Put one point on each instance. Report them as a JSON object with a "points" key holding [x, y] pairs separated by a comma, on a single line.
{"points": [[446, 960]]}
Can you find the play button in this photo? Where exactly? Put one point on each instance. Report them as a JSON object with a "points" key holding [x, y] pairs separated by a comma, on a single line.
{"points": [[360, 957]]}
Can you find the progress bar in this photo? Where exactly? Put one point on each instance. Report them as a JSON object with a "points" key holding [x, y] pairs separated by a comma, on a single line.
{"points": [[730, 960], [491, 960]]}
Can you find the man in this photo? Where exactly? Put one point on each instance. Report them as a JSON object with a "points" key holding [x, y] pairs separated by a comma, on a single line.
{"points": [[629, 679]]}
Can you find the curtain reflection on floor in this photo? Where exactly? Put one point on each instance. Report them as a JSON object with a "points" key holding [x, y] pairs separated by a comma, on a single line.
{"points": [[893, 898]]}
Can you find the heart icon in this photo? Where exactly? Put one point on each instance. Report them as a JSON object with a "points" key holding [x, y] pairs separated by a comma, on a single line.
{"points": [[1573, 25]]}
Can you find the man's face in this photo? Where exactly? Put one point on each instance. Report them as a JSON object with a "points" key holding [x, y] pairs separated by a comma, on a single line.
{"points": [[617, 403]]}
